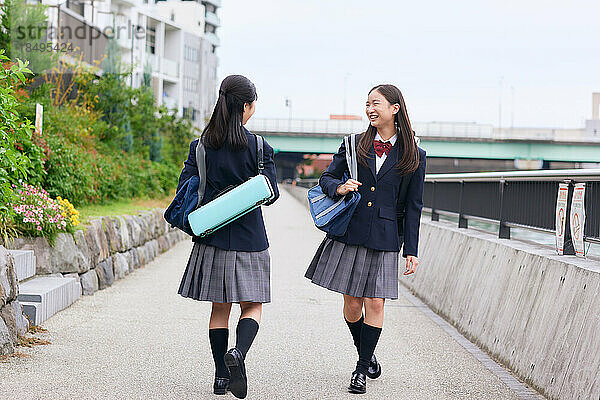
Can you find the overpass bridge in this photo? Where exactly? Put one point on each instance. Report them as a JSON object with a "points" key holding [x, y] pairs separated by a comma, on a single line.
{"points": [[440, 139]]}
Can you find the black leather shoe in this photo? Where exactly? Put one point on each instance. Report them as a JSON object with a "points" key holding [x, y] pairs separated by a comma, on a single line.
{"points": [[358, 383], [374, 370], [238, 384], [221, 385]]}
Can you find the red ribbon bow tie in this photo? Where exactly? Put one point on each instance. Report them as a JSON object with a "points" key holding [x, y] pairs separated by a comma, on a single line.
{"points": [[382, 147]]}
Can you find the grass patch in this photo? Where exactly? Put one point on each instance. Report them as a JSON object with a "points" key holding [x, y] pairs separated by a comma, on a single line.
{"points": [[16, 354], [36, 329], [121, 207], [31, 341]]}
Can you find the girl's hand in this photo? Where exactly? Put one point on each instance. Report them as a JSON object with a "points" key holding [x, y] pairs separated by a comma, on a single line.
{"points": [[411, 264], [350, 186]]}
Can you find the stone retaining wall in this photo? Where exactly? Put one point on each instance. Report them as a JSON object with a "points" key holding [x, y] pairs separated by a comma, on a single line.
{"points": [[109, 248], [12, 321]]}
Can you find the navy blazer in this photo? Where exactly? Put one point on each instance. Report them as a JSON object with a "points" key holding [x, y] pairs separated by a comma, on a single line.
{"points": [[224, 168], [375, 222]]}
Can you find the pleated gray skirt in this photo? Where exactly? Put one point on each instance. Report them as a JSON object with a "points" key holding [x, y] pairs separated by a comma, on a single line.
{"points": [[355, 270], [225, 276]]}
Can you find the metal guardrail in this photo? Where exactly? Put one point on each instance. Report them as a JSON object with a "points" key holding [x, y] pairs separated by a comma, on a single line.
{"points": [[513, 199], [520, 199], [466, 130]]}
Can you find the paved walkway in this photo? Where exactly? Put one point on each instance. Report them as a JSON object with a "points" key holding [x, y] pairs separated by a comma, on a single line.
{"points": [[140, 340]]}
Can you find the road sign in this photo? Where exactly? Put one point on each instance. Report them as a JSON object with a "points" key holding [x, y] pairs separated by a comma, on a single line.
{"points": [[561, 214], [577, 218]]}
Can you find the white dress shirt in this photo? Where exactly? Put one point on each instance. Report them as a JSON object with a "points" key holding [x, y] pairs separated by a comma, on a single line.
{"points": [[379, 160]]}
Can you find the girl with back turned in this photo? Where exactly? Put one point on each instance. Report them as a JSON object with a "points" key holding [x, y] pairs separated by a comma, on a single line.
{"points": [[232, 264]]}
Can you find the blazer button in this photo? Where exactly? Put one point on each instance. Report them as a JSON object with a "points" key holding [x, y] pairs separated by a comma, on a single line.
{"points": [[372, 188], [369, 204]]}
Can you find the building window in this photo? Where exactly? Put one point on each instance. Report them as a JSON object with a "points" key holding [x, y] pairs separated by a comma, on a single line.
{"points": [[190, 84], [151, 40], [76, 6], [191, 54], [214, 49], [210, 28]]}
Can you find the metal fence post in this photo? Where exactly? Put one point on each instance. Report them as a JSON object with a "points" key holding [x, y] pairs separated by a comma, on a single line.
{"points": [[462, 221], [568, 247], [504, 231], [434, 215]]}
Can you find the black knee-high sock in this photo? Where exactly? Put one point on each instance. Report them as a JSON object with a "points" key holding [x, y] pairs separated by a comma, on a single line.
{"points": [[246, 332], [218, 344], [355, 329], [369, 337]]}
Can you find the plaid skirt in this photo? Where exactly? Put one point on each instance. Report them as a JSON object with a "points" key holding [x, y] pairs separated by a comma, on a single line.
{"points": [[226, 276], [355, 270]]}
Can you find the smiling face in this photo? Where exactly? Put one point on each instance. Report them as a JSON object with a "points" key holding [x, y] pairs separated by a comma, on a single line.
{"points": [[379, 110]]}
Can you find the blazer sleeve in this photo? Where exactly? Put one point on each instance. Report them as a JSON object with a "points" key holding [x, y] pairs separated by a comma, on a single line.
{"points": [[189, 166], [332, 177], [414, 204], [270, 171]]}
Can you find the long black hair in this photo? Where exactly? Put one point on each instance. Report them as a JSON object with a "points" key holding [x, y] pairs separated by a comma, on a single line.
{"points": [[410, 153], [225, 125]]}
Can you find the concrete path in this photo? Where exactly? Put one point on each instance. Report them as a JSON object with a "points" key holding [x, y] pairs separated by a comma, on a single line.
{"points": [[140, 340]]}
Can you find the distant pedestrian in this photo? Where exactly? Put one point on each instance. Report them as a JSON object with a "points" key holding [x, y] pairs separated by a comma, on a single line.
{"points": [[363, 263], [231, 265]]}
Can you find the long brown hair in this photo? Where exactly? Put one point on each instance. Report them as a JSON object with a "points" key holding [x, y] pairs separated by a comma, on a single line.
{"points": [[410, 153]]}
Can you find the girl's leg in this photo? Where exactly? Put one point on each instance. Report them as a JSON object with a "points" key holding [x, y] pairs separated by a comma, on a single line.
{"points": [[234, 359], [247, 326], [353, 307], [370, 333], [218, 333]]}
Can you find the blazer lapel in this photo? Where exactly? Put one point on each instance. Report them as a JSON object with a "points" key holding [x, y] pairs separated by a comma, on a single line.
{"points": [[390, 161], [371, 162]]}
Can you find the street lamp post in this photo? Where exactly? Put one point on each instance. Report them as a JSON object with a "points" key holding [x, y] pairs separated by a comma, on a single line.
{"points": [[288, 103]]}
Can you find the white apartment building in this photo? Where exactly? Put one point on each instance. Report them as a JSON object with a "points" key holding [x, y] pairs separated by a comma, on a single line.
{"points": [[175, 38]]}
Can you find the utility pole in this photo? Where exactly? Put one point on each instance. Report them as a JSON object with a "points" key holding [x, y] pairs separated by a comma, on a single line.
{"points": [[500, 105], [288, 103]]}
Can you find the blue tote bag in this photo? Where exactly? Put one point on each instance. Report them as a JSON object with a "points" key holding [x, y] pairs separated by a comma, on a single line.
{"points": [[189, 196], [333, 216]]}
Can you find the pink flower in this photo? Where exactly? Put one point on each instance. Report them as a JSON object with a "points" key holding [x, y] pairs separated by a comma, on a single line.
{"points": [[39, 228]]}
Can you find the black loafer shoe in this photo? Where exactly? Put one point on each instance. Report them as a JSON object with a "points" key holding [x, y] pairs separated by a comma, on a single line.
{"points": [[358, 383], [374, 370], [221, 385], [238, 384]]}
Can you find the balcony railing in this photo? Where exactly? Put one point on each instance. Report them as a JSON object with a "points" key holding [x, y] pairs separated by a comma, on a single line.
{"points": [[170, 67], [212, 18], [212, 38], [170, 102]]}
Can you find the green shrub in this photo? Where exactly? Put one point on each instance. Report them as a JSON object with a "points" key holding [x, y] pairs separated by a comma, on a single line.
{"points": [[15, 132], [69, 172]]}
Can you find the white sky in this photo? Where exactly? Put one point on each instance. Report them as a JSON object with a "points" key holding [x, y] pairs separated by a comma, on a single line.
{"points": [[453, 60]]}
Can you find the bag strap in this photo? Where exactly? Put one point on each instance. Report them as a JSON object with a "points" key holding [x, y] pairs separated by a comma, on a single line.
{"points": [[260, 144], [350, 144], [201, 164]]}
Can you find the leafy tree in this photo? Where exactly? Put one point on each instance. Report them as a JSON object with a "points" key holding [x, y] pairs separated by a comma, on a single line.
{"points": [[23, 26]]}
